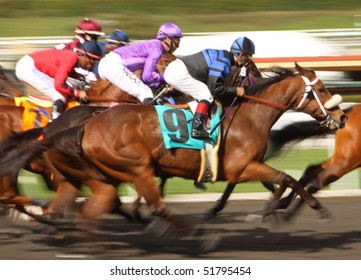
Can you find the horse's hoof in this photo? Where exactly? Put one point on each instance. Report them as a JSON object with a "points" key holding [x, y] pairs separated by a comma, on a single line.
{"points": [[159, 228], [325, 216], [200, 185], [209, 241], [254, 218], [45, 229], [210, 215]]}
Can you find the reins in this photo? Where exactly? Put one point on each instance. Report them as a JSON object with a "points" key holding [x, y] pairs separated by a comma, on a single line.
{"points": [[263, 101]]}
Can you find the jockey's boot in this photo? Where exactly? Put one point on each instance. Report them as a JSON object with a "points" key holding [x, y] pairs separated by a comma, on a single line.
{"points": [[199, 125], [59, 107], [148, 101]]}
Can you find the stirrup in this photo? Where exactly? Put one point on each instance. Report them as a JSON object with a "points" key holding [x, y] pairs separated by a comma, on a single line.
{"points": [[199, 134]]}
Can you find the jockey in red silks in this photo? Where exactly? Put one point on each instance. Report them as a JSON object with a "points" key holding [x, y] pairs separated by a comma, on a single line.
{"points": [[86, 30], [117, 67], [47, 71], [202, 76]]}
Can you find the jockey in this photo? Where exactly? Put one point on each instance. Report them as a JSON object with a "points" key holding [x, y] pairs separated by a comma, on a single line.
{"points": [[47, 71], [202, 76], [117, 67], [86, 30], [115, 40]]}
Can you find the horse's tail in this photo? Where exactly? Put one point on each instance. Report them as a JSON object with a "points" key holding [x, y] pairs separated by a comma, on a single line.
{"points": [[17, 149], [295, 133]]}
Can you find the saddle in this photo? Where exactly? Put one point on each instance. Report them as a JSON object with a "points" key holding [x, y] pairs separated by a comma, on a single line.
{"points": [[175, 123], [37, 110]]}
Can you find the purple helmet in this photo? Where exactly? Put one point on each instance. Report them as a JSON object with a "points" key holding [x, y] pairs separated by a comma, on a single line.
{"points": [[169, 30]]}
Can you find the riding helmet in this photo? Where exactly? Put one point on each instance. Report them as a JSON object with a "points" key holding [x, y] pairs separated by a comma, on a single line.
{"points": [[169, 30], [242, 45], [118, 36], [89, 26], [90, 49]]}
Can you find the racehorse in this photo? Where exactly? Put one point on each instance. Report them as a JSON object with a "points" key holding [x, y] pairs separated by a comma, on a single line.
{"points": [[101, 92], [346, 157], [8, 90], [253, 74], [131, 149]]}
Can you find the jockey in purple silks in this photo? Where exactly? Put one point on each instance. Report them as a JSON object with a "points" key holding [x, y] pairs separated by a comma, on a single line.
{"points": [[117, 67]]}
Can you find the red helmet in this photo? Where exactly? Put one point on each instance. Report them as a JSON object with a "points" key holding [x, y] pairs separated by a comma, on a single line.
{"points": [[89, 26]]}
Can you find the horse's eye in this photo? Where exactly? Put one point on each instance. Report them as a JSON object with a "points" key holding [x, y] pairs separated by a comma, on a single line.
{"points": [[322, 89]]}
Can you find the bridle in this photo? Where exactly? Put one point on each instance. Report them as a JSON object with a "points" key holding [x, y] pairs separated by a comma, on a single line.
{"points": [[309, 89]]}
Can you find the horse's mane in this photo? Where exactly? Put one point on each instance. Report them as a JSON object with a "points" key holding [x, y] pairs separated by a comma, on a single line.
{"points": [[277, 74]]}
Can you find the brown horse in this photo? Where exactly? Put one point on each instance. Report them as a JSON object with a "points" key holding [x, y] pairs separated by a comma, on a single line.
{"points": [[131, 148], [346, 158], [253, 74], [101, 92], [8, 89]]}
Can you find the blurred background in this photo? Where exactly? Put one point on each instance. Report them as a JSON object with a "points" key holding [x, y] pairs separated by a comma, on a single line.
{"points": [[280, 28]]}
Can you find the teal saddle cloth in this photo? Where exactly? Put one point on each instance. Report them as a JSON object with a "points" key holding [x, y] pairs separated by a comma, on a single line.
{"points": [[176, 125]]}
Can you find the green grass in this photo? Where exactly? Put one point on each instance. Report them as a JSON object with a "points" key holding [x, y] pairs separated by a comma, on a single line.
{"points": [[141, 19], [293, 162]]}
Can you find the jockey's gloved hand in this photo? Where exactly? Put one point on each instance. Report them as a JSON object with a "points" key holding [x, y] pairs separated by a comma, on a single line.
{"points": [[82, 96]]}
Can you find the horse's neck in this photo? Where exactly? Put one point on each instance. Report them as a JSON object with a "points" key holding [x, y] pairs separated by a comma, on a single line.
{"points": [[263, 115]]}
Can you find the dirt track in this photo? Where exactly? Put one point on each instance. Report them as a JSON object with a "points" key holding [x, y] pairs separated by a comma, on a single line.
{"points": [[305, 238]]}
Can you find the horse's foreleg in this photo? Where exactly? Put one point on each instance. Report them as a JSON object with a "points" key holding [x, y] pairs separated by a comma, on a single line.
{"points": [[257, 171], [221, 202], [148, 188], [319, 177]]}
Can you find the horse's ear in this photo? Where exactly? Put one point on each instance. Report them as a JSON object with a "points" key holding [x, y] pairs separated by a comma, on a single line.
{"points": [[298, 67]]}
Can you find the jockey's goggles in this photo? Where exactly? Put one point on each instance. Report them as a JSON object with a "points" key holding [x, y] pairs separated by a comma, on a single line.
{"points": [[176, 41]]}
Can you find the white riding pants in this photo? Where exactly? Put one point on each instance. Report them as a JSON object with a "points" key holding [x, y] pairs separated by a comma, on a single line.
{"points": [[177, 75], [111, 68], [26, 71]]}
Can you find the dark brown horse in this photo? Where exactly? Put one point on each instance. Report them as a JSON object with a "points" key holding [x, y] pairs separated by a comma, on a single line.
{"points": [[131, 148]]}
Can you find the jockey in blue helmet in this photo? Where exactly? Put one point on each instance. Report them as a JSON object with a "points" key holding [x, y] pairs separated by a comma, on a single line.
{"points": [[202, 76], [242, 47], [116, 39]]}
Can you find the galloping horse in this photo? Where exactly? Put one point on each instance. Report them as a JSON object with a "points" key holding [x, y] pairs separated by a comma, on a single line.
{"points": [[101, 92], [8, 90], [131, 149], [253, 74], [346, 157]]}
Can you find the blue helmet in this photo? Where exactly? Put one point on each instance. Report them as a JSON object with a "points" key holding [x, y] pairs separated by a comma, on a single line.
{"points": [[90, 49], [118, 36], [242, 45]]}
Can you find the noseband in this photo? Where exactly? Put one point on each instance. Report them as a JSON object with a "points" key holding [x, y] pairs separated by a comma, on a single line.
{"points": [[334, 101]]}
